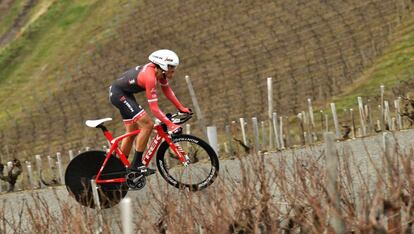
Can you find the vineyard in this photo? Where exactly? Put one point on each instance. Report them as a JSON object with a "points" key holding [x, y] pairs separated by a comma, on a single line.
{"points": [[320, 50]]}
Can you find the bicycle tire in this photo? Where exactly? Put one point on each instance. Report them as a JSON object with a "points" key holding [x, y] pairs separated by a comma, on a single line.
{"points": [[85, 167], [203, 162]]}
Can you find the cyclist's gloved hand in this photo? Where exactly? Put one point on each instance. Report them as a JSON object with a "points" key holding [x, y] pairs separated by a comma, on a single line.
{"points": [[186, 110], [174, 129]]}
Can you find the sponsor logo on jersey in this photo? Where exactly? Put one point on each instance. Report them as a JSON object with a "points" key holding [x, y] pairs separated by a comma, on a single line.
{"points": [[122, 98], [129, 106]]}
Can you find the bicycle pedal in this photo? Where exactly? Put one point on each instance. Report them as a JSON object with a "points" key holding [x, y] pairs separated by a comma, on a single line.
{"points": [[143, 170]]}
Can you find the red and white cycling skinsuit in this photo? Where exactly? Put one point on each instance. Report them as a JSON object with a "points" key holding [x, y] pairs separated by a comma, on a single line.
{"points": [[136, 80]]}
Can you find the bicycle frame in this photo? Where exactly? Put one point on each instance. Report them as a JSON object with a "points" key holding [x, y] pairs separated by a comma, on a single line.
{"points": [[149, 154]]}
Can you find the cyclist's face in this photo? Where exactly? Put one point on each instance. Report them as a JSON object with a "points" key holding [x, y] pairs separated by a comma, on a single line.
{"points": [[170, 73]]}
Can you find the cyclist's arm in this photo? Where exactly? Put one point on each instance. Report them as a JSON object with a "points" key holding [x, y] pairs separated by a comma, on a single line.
{"points": [[151, 93], [168, 92]]}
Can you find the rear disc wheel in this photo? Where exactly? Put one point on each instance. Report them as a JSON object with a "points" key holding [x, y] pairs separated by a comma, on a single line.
{"points": [[85, 167]]}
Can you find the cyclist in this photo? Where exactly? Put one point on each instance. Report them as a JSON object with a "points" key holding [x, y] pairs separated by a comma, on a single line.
{"points": [[160, 69]]}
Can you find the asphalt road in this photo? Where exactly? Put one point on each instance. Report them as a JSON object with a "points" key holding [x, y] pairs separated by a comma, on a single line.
{"points": [[363, 152]]}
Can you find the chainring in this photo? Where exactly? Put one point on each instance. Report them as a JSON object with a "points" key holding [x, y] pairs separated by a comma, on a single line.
{"points": [[135, 180]]}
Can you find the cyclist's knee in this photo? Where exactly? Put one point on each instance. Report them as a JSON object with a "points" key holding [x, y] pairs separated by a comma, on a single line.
{"points": [[131, 127], [146, 123]]}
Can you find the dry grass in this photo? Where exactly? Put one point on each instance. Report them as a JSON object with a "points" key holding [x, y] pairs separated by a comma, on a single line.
{"points": [[288, 196]]}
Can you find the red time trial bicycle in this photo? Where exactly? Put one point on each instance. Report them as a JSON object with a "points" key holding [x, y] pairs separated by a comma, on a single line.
{"points": [[184, 161]]}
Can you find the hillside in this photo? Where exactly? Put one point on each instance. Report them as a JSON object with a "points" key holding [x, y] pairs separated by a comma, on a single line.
{"points": [[55, 74]]}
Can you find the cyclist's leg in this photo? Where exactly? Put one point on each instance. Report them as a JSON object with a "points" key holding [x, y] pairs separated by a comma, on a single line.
{"points": [[146, 125], [130, 111], [126, 143]]}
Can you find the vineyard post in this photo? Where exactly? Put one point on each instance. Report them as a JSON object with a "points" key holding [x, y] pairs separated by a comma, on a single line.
{"points": [[305, 124], [382, 108], [335, 119], [200, 116], [331, 182], [264, 140], [281, 137], [212, 137], [270, 113], [302, 129], [351, 110], [97, 205], [51, 166], [60, 168], [379, 124], [126, 215], [368, 117], [188, 129], [402, 120], [393, 124], [275, 129], [362, 116], [39, 170], [387, 116], [308, 127], [29, 174], [70, 155], [9, 168], [243, 130], [398, 111], [321, 117], [255, 134], [312, 120]]}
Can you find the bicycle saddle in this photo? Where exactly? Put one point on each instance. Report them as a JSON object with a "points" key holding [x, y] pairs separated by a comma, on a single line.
{"points": [[96, 122]]}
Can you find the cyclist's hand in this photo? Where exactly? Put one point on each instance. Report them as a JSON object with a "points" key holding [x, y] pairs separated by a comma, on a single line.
{"points": [[187, 111], [174, 129]]}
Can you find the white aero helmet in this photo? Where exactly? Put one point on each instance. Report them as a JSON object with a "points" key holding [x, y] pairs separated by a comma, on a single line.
{"points": [[164, 58]]}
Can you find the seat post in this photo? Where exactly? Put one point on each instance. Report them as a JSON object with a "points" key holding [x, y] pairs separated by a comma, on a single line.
{"points": [[105, 131], [102, 127]]}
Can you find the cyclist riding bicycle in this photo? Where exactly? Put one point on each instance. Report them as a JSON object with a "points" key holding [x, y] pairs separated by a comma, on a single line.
{"points": [[139, 79]]}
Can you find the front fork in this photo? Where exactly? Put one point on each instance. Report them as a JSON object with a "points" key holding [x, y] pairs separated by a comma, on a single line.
{"points": [[178, 150]]}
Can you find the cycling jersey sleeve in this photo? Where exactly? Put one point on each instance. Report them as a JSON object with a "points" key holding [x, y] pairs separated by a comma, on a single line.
{"points": [[166, 89], [151, 93]]}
